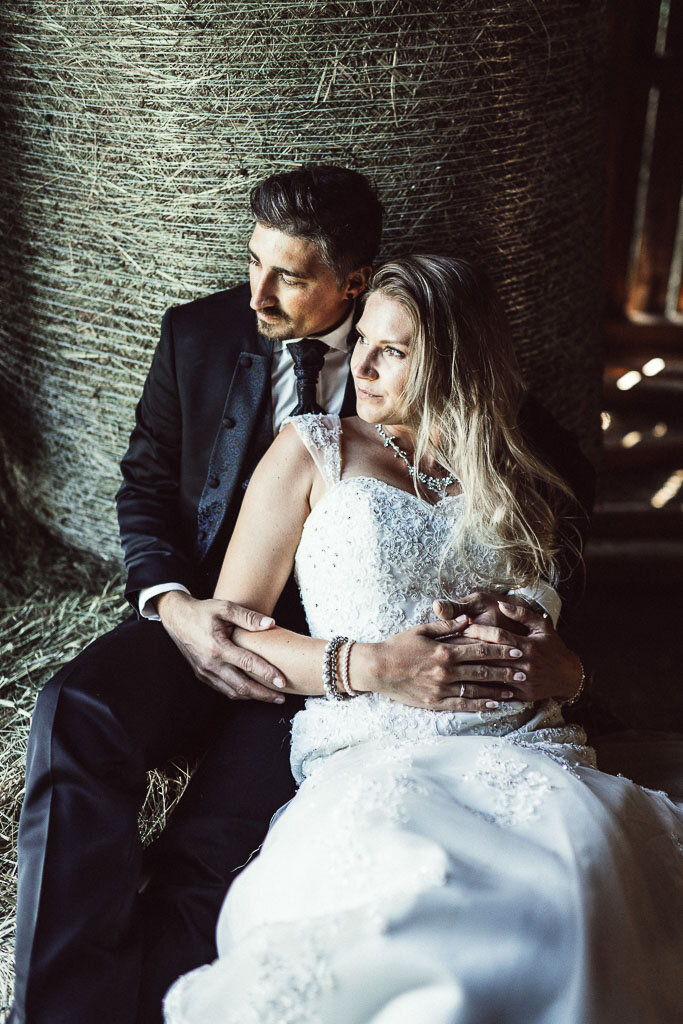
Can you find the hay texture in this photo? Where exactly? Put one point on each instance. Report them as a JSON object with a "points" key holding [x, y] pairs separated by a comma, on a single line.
{"points": [[51, 607], [133, 131]]}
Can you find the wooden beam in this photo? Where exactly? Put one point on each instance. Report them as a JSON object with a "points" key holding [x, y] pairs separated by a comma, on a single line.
{"points": [[650, 283], [646, 337], [614, 523], [650, 452], [632, 32]]}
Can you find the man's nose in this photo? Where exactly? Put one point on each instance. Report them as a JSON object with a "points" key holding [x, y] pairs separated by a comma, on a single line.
{"points": [[262, 291]]}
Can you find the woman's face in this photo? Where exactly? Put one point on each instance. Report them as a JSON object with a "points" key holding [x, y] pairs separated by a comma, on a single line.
{"points": [[381, 360]]}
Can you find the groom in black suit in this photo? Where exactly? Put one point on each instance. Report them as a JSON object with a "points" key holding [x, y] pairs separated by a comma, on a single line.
{"points": [[101, 931]]}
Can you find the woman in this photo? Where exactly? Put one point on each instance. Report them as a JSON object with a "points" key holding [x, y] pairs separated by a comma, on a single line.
{"points": [[434, 866]]}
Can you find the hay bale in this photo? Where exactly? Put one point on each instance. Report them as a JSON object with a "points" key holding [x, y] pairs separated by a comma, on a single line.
{"points": [[134, 130], [52, 604], [38, 634]]}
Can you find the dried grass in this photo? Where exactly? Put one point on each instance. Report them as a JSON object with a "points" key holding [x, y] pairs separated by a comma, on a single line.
{"points": [[52, 604], [132, 132]]}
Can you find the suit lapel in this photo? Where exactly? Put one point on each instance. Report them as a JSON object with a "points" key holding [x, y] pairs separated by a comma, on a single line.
{"points": [[349, 403], [245, 432]]}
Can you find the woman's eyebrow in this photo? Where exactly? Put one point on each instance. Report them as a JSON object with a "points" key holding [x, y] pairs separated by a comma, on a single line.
{"points": [[280, 270], [383, 341]]}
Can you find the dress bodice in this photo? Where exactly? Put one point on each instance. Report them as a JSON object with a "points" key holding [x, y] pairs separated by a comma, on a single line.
{"points": [[371, 560]]}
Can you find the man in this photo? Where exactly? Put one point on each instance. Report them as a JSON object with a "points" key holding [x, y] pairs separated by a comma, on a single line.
{"points": [[100, 935]]}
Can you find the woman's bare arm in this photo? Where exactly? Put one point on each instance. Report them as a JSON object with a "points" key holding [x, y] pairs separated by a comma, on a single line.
{"points": [[409, 666], [260, 558]]}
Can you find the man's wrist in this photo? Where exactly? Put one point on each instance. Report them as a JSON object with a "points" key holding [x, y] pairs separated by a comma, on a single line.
{"points": [[166, 602]]}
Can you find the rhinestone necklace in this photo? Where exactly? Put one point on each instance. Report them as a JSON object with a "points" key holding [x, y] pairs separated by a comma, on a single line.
{"points": [[434, 483]]}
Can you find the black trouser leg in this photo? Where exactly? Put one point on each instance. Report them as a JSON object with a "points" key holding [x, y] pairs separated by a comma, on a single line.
{"points": [[126, 704], [242, 780]]}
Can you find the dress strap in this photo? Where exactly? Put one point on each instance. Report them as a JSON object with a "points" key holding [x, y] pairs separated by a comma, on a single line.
{"points": [[321, 434]]}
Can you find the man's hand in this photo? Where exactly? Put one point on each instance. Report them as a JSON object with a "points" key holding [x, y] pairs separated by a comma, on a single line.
{"points": [[545, 668], [202, 631], [430, 666]]}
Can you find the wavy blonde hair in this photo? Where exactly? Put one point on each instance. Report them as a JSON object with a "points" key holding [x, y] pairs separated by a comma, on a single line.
{"points": [[463, 396]]}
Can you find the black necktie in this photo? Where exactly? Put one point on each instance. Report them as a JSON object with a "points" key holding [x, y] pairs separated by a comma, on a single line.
{"points": [[309, 356]]}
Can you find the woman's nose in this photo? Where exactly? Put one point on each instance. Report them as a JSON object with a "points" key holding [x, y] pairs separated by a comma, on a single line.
{"points": [[367, 369]]}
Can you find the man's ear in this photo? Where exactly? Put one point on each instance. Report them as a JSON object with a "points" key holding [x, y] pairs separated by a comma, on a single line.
{"points": [[357, 281]]}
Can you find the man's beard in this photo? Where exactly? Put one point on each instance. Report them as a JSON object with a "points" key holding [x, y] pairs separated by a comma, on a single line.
{"points": [[279, 330]]}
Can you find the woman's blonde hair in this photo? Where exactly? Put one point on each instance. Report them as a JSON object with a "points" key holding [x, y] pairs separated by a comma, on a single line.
{"points": [[463, 396]]}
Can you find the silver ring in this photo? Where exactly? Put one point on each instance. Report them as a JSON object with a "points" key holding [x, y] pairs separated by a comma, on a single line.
{"points": [[462, 690], [545, 615]]}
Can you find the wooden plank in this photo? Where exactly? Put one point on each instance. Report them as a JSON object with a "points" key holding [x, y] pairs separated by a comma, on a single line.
{"points": [[647, 337], [653, 266], [632, 31], [615, 523], [648, 453]]}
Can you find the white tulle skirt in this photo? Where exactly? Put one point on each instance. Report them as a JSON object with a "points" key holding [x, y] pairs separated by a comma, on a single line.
{"points": [[458, 879]]}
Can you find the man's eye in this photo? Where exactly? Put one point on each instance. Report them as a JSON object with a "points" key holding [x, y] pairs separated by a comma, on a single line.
{"points": [[289, 281]]}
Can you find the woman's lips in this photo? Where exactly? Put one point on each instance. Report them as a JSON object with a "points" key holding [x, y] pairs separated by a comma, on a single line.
{"points": [[365, 394]]}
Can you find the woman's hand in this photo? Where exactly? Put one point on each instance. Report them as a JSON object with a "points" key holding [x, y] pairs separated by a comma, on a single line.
{"points": [[439, 666], [544, 668]]}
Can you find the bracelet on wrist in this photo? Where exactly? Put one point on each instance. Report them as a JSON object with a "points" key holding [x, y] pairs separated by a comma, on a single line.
{"points": [[332, 691], [579, 693], [345, 657]]}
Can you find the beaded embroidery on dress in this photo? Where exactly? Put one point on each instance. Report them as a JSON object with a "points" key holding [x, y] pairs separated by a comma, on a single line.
{"points": [[447, 868]]}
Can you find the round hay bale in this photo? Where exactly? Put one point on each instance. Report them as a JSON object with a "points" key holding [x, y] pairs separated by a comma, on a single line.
{"points": [[134, 130]]}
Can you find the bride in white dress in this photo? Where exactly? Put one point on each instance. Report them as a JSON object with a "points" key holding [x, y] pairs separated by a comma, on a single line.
{"points": [[435, 867]]}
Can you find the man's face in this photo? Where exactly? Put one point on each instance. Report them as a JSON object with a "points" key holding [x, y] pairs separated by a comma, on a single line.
{"points": [[293, 293]]}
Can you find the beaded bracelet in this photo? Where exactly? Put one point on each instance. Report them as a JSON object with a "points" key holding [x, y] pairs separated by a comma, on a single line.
{"points": [[330, 687], [579, 693], [345, 660]]}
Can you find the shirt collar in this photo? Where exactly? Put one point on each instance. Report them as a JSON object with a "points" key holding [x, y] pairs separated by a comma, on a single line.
{"points": [[336, 338]]}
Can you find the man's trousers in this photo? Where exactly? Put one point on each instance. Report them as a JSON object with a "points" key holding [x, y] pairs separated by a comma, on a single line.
{"points": [[103, 928]]}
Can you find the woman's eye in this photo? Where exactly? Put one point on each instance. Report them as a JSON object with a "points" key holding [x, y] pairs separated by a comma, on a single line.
{"points": [[360, 340], [395, 352]]}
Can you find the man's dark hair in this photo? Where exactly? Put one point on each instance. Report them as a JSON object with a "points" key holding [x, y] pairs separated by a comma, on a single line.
{"points": [[334, 207]]}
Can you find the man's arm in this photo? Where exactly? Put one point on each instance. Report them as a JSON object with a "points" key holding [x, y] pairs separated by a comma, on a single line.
{"points": [[155, 549], [546, 667], [147, 501]]}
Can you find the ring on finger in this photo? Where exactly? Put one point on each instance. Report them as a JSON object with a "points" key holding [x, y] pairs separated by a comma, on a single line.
{"points": [[462, 689]]}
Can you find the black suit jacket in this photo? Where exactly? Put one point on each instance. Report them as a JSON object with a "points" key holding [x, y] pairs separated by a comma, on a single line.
{"points": [[201, 426]]}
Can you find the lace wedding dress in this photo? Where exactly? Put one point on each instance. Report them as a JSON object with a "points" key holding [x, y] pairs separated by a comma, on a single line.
{"points": [[436, 867]]}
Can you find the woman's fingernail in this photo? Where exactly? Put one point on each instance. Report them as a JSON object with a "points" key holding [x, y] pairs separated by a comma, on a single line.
{"points": [[267, 621], [438, 607], [492, 704], [461, 618], [279, 700], [519, 676], [515, 653], [278, 681], [507, 693]]}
